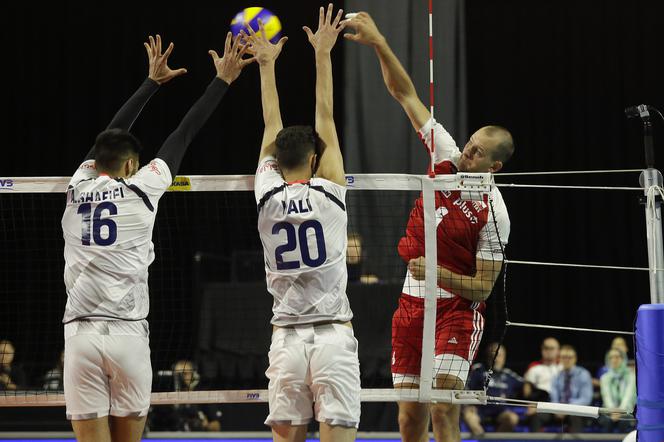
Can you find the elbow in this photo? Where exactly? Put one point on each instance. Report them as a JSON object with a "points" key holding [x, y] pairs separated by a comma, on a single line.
{"points": [[402, 93]]}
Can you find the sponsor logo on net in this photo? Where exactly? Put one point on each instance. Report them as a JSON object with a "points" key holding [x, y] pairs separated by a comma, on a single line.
{"points": [[6, 184], [180, 184]]}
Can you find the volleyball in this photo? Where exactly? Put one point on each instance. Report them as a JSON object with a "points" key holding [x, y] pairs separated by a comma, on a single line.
{"points": [[250, 17]]}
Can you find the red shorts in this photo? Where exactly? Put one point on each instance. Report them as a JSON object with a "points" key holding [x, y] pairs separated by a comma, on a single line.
{"points": [[459, 327]]}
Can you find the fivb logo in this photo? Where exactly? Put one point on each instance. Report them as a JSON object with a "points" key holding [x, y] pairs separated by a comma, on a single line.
{"points": [[6, 184]]}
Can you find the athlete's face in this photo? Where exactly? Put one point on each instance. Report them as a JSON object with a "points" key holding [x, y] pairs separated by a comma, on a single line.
{"points": [[477, 155]]}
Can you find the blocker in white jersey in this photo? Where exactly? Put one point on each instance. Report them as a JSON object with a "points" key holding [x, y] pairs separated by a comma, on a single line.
{"points": [[300, 194], [303, 228], [107, 227]]}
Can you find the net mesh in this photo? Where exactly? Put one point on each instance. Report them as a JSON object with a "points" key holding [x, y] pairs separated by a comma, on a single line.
{"points": [[210, 311]]}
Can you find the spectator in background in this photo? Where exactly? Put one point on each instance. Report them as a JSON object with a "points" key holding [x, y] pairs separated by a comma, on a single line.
{"points": [[355, 261], [573, 385], [185, 417], [540, 373], [618, 387], [504, 383], [12, 376], [53, 380], [620, 344]]}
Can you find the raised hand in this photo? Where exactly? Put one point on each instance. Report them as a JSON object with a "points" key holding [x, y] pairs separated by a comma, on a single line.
{"points": [[158, 62], [328, 31], [231, 64], [264, 51], [366, 31]]}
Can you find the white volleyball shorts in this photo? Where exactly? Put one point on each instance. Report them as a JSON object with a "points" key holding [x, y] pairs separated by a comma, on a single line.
{"points": [[314, 372], [107, 369]]}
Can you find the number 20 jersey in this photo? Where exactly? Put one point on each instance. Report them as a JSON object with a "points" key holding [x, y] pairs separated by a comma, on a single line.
{"points": [[107, 227], [303, 228]]}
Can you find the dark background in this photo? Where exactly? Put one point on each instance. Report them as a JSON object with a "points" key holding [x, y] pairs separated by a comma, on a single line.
{"points": [[557, 74]]}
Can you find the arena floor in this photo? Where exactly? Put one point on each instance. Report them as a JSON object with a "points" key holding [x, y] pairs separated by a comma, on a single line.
{"points": [[265, 437]]}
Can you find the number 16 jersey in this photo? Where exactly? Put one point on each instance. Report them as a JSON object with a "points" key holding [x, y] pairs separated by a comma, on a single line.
{"points": [[107, 227], [303, 228]]}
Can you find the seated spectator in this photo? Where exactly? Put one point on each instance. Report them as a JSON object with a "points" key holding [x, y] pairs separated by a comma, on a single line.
{"points": [[185, 417], [355, 261], [53, 379], [618, 387], [503, 383], [540, 373], [573, 385], [12, 376], [620, 344]]}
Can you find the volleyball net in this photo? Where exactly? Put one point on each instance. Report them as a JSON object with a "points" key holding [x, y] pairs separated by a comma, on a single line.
{"points": [[210, 311]]}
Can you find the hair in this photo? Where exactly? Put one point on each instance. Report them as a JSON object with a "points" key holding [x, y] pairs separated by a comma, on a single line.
{"points": [[568, 348], [294, 144], [113, 147], [504, 148]]}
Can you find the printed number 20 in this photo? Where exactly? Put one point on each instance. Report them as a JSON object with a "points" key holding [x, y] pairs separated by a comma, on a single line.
{"points": [[97, 223], [292, 243]]}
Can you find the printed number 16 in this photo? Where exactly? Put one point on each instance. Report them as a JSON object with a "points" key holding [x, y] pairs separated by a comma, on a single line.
{"points": [[292, 243], [97, 223]]}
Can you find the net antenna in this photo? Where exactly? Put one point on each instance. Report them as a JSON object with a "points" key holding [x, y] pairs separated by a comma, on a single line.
{"points": [[432, 171]]}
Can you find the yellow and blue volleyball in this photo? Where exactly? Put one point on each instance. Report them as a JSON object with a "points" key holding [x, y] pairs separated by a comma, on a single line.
{"points": [[250, 16]]}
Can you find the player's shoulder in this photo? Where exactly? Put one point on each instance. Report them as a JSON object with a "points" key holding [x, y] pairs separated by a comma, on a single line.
{"points": [[156, 174], [267, 164], [330, 190]]}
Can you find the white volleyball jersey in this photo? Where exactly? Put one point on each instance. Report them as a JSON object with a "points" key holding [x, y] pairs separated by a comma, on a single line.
{"points": [[107, 227], [303, 228]]}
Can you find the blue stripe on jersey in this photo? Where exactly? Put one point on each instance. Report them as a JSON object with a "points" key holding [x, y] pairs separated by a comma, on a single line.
{"points": [[138, 192]]}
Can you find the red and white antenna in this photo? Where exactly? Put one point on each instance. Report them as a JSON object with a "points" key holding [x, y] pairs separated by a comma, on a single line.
{"points": [[432, 172]]}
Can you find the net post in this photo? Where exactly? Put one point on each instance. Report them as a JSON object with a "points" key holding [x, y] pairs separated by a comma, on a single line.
{"points": [[651, 181], [430, 252]]}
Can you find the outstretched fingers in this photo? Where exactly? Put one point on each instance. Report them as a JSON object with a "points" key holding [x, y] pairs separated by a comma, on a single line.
{"points": [[169, 49], [328, 15], [337, 20], [214, 55], [308, 31], [321, 17], [228, 42], [281, 42]]}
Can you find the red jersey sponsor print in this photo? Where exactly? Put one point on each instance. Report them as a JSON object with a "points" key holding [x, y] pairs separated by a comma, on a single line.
{"points": [[459, 225]]}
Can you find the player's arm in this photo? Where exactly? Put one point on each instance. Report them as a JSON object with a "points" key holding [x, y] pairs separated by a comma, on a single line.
{"points": [[476, 288], [266, 55], [397, 80], [158, 73], [401, 87], [228, 69], [331, 163]]}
